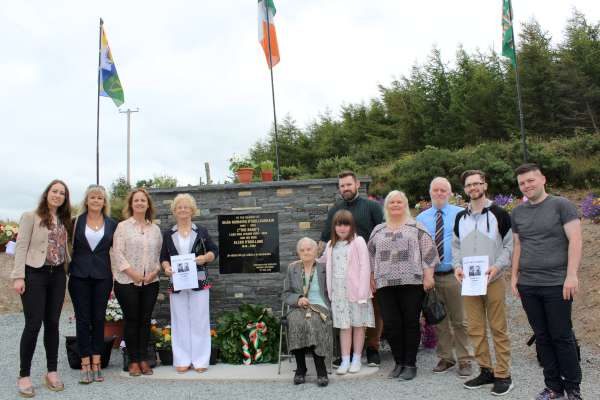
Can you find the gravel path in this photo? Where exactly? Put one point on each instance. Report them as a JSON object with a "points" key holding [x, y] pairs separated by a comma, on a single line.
{"points": [[526, 375]]}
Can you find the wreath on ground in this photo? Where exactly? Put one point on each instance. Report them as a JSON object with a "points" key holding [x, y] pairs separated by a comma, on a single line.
{"points": [[249, 335]]}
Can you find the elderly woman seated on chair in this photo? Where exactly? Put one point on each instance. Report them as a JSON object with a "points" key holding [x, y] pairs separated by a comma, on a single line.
{"points": [[309, 318]]}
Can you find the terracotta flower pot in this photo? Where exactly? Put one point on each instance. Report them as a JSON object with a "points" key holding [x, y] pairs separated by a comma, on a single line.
{"points": [[244, 175], [266, 176], [114, 329]]}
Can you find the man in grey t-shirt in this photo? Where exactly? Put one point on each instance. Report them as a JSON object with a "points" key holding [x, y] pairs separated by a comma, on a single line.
{"points": [[546, 257]]}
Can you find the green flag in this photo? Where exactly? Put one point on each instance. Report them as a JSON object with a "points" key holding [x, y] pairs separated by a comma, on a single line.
{"points": [[508, 42]]}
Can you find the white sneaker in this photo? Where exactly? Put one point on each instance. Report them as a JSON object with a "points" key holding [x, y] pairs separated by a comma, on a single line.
{"points": [[343, 368], [354, 367]]}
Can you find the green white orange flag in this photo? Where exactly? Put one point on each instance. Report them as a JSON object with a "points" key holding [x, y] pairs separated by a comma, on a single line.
{"points": [[110, 84], [508, 42], [266, 31]]}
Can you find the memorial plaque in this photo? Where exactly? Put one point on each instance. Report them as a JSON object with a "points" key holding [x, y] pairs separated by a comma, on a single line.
{"points": [[248, 243]]}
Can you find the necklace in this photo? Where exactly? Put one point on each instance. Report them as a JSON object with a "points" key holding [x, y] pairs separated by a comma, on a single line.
{"points": [[95, 223]]}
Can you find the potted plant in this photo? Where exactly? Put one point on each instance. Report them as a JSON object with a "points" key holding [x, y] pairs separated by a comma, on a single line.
{"points": [[214, 347], [8, 232], [266, 170], [113, 320], [162, 342], [242, 167]]}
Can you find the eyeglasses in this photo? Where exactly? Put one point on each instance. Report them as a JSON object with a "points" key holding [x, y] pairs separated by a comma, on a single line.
{"points": [[474, 184]]}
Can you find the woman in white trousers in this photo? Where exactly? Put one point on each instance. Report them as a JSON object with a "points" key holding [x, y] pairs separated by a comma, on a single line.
{"points": [[190, 316]]}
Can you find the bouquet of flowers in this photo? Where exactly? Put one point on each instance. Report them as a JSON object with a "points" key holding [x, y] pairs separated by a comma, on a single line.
{"points": [[8, 232], [162, 337], [113, 310]]}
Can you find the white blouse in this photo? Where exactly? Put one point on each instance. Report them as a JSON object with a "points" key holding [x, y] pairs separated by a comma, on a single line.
{"points": [[93, 237]]}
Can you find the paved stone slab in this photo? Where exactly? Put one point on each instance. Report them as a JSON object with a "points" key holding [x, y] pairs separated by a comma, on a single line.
{"points": [[260, 372]]}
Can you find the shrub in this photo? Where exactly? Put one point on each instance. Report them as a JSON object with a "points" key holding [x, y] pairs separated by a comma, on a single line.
{"points": [[330, 167]]}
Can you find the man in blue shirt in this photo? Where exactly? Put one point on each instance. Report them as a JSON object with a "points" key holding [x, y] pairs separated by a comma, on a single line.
{"points": [[439, 221]]}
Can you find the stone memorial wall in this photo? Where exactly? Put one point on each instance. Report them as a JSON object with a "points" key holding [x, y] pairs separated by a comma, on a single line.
{"points": [[260, 224]]}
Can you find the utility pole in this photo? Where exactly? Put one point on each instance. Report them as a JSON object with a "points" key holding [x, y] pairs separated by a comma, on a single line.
{"points": [[207, 169], [128, 112]]}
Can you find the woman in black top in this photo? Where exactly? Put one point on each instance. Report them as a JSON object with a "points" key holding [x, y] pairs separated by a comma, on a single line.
{"points": [[90, 279], [190, 319]]}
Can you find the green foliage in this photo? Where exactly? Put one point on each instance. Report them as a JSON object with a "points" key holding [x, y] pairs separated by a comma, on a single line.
{"points": [[119, 188], [158, 182], [290, 172], [266, 165], [330, 167], [413, 173], [232, 324], [455, 105]]}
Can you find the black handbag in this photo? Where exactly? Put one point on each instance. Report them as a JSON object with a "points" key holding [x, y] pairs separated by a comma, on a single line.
{"points": [[73, 352], [434, 310]]}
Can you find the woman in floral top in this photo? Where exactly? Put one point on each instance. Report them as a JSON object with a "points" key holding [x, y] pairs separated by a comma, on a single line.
{"points": [[39, 277], [403, 258], [135, 264]]}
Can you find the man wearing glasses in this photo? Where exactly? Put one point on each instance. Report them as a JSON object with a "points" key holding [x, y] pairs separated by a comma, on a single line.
{"points": [[484, 229]]}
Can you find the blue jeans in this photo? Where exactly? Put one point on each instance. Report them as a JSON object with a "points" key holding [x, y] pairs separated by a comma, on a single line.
{"points": [[550, 318]]}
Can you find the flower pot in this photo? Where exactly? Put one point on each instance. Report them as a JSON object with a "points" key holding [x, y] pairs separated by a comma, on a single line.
{"points": [[266, 176], [166, 356], [114, 329], [214, 355], [244, 175]]}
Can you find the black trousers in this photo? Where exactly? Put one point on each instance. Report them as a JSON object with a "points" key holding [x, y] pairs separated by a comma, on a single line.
{"points": [[42, 303], [90, 297], [137, 303], [401, 308], [300, 355], [550, 318]]}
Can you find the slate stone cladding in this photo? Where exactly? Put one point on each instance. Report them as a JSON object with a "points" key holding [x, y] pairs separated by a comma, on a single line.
{"points": [[302, 208]]}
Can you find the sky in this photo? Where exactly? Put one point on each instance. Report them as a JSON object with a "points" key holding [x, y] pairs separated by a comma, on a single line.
{"points": [[199, 77]]}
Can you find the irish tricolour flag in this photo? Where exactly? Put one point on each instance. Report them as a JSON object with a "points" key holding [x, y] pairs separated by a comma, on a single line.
{"points": [[266, 31]]}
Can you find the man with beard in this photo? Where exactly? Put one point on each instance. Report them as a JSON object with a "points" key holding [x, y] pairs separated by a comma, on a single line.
{"points": [[452, 330], [484, 229], [547, 238], [367, 214]]}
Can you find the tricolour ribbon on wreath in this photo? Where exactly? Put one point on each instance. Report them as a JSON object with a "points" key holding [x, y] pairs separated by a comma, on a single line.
{"points": [[255, 340]]}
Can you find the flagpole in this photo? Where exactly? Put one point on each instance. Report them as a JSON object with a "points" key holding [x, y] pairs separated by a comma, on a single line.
{"points": [[98, 108], [519, 101], [272, 89]]}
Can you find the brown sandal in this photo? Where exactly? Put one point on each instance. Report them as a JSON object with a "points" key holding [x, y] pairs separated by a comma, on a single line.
{"points": [[26, 392], [58, 386], [97, 372], [85, 374]]}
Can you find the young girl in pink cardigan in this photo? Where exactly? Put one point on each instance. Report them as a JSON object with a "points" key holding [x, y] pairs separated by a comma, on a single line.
{"points": [[349, 288]]}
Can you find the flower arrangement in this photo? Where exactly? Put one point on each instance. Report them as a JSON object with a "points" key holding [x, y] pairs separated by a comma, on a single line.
{"points": [[8, 232], [590, 207], [162, 336], [113, 310], [249, 335]]}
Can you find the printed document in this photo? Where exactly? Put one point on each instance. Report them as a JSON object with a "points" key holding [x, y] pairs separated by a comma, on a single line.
{"points": [[185, 275], [475, 275]]}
